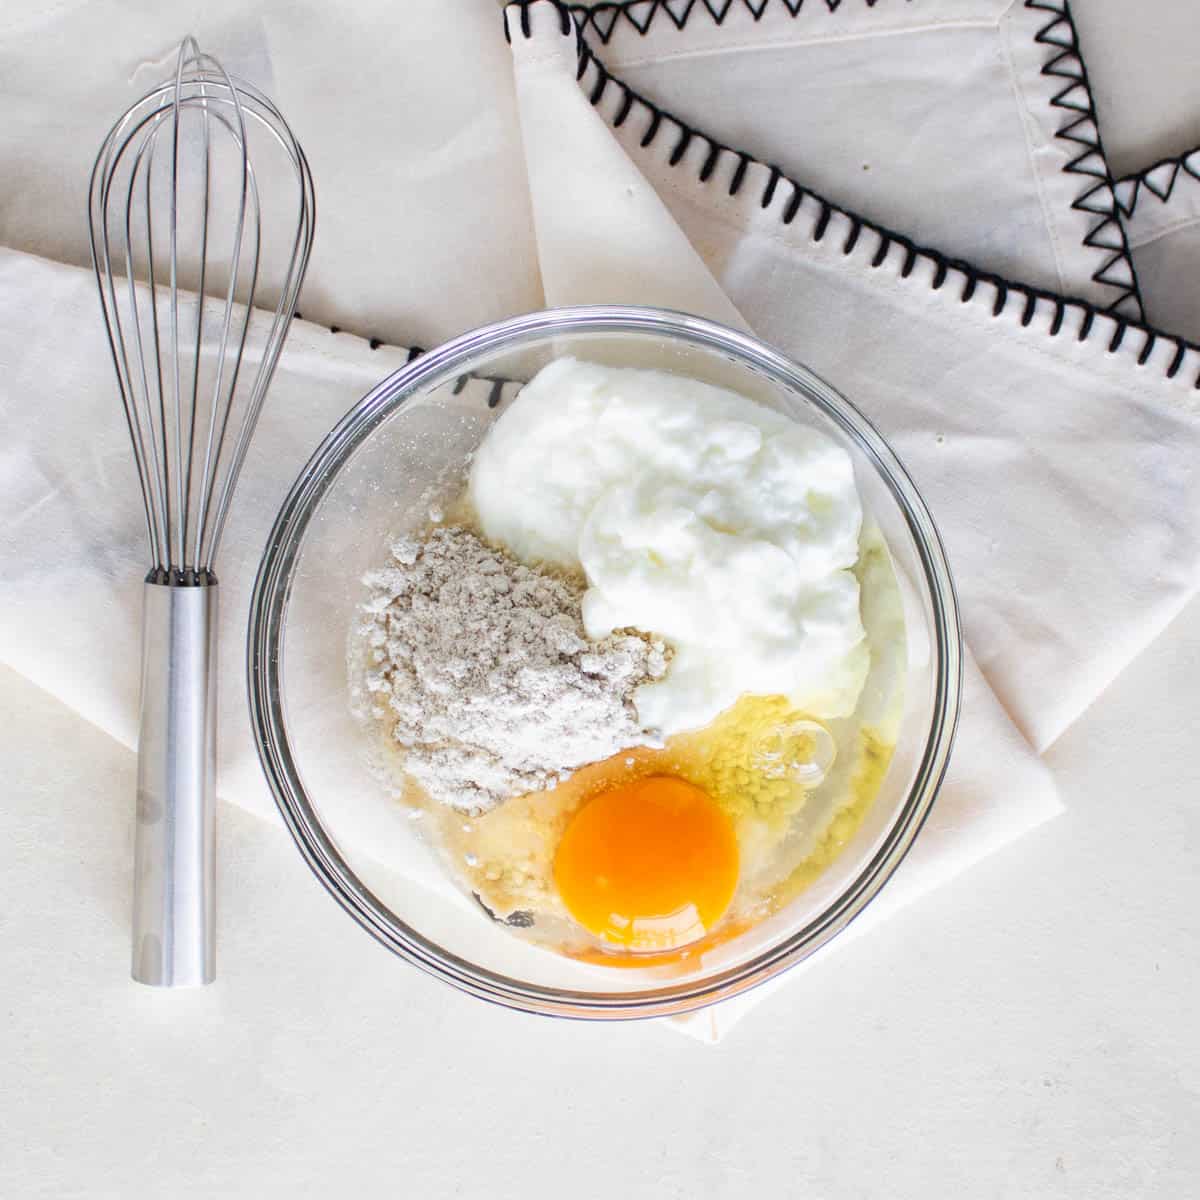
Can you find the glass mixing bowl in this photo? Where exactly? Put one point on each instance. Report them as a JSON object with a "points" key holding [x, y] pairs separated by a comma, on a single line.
{"points": [[374, 477]]}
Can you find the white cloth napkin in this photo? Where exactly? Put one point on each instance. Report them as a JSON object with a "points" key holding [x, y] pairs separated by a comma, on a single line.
{"points": [[1011, 466], [74, 555], [966, 124], [1061, 472]]}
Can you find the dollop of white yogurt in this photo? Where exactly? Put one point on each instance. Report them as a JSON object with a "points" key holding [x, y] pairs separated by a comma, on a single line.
{"points": [[696, 514]]}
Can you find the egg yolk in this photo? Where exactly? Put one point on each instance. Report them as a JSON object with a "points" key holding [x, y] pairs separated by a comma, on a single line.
{"points": [[650, 865]]}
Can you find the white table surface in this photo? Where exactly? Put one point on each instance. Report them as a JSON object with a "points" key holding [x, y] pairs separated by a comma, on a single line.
{"points": [[1027, 1031]]}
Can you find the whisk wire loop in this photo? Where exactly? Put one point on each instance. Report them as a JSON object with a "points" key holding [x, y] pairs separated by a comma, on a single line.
{"points": [[185, 272]]}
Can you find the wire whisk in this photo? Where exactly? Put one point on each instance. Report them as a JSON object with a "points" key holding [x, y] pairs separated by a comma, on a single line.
{"points": [[201, 209]]}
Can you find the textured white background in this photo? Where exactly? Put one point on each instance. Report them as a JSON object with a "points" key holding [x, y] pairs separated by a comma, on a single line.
{"points": [[1026, 1031]]}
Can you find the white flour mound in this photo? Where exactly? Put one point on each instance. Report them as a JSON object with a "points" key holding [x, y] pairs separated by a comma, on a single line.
{"points": [[480, 668]]}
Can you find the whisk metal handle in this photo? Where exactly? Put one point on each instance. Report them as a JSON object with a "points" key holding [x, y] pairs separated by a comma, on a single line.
{"points": [[174, 876]]}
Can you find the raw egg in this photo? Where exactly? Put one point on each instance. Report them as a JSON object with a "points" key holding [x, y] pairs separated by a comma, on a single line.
{"points": [[650, 865]]}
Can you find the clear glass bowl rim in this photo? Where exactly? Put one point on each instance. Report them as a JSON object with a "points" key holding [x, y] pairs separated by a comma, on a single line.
{"points": [[268, 615]]}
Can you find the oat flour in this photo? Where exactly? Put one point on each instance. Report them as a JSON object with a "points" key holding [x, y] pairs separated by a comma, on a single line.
{"points": [[480, 669]]}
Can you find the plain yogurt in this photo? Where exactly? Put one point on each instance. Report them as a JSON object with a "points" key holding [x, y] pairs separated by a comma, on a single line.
{"points": [[695, 514]]}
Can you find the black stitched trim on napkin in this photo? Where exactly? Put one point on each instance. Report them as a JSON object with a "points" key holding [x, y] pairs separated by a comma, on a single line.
{"points": [[1159, 179], [496, 384], [373, 343], [1065, 66], [1093, 320], [1082, 130], [604, 18]]}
